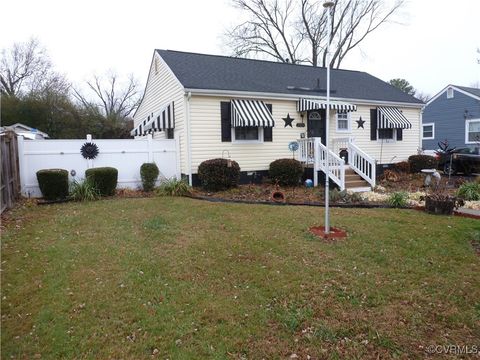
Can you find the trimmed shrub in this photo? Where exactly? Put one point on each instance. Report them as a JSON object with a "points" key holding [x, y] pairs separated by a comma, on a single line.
{"points": [[219, 174], [53, 183], [83, 191], [104, 179], [419, 162], [286, 172], [402, 167], [149, 174], [173, 187], [469, 191]]}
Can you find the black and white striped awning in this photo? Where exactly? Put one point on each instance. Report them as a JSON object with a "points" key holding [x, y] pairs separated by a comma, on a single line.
{"points": [[391, 118], [312, 104], [251, 113], [162, 119]]}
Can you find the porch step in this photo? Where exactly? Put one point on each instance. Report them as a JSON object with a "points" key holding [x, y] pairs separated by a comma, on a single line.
{"points": [[355, 182]]}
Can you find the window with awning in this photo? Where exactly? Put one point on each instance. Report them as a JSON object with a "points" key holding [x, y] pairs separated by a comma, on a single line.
{"points": [[304, 104], [250, 113], [161, 120], [389, 117]]}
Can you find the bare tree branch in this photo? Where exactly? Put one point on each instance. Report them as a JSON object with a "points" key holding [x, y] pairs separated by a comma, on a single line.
{"points": [[295, 30]]}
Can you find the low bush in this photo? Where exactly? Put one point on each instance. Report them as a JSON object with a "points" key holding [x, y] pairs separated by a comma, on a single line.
{"points": [[219, 174], [53, 183], [149, 174], [419, 162], [402, 167], [286, 172], [83, 191], [398, 199], [104, 179], [174, 187], [337, 196], [469, 191]]}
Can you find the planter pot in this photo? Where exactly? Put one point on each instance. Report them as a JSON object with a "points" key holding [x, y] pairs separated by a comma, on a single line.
{"points": [[440, 207], [278, 196]]}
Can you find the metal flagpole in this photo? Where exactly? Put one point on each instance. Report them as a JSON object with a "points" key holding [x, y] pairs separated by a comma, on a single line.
{"points": [[327, 5]]}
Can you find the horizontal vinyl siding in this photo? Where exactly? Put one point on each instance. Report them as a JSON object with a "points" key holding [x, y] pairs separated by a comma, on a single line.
{"points": [[386, 152], [162, 87], [206, 135], [449, 118], [207, 144]]}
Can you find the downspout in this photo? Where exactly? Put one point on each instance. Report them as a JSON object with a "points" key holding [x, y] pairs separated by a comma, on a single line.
{"points": [[188, 95], [420, 133]]}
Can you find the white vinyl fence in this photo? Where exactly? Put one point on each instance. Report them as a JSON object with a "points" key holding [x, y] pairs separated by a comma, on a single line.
{"points": [[126, 155]]}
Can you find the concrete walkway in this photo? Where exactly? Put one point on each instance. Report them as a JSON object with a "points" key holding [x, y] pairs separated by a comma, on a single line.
{"points": [[472, 212]]}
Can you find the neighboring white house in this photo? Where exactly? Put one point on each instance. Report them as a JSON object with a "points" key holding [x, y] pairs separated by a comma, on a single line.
{"points": [[26, 131], [250, 110]]}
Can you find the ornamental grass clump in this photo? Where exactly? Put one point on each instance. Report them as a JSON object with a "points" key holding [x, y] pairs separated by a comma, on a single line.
{"points": [[286, 172], [83, 191], [219, 174], [53, 183], [149, 173], [173, 187], [398, 199], [469, 191], [104, 179]]}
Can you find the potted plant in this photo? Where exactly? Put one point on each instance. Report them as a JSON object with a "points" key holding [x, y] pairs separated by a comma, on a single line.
{"points": [[441, 203]]}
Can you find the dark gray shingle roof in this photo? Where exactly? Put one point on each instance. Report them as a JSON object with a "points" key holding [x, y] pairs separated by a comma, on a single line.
{"points": [[200, 71], [473, 91]]}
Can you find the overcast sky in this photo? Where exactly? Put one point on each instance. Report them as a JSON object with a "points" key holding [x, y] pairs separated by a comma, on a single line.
{"points": [[436, 44]]}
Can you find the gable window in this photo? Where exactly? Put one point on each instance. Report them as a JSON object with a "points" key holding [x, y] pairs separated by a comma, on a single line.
{"points": [[247, 134], [472, 131], [449, 93], [343, 121], [428, 131], [386, 134]]}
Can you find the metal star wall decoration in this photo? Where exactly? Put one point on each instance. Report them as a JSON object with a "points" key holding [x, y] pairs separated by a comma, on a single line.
{"points": [[288, 120], [360, 123]]}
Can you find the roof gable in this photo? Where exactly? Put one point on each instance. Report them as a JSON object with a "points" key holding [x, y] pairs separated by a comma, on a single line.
{"points": [[472, 92], [212, 72]]}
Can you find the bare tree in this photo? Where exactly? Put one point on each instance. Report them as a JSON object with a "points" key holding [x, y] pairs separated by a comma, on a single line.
{"points": [[116, 100], [295, 30], [23, 68]]}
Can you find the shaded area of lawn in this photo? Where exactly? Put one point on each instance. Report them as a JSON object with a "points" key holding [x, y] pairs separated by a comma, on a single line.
{"points": [[192, 279]]}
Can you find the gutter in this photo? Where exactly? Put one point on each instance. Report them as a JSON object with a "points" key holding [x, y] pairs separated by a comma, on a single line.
{"points": [[276, 96]]}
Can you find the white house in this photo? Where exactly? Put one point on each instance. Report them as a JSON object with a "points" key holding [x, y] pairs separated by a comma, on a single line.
{"points": [[250, 110], [26, 131]]}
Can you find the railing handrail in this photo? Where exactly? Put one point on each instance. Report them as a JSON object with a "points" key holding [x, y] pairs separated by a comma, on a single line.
{"points": [[361, 152], [336, 165], [367, 172]]}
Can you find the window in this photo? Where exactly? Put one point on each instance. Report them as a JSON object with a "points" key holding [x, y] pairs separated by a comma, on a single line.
{"points": [[449, 93], [343, 121], [472, 131], [428, 132], [247, 134], [386, 134]]}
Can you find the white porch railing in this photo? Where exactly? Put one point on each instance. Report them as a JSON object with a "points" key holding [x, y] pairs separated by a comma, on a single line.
{"points": [[336, 165], [361, 163], [312, 151]]}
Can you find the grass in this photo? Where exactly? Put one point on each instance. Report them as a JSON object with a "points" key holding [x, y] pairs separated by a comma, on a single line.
{"points": [[185, 279]]}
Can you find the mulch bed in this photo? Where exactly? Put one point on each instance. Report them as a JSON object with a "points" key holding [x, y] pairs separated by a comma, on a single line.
{"points": [[415, 182]]}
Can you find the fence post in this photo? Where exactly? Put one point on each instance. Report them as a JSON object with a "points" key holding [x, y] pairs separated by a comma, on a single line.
{"points": [[149, 148], [177, 158], [316, 160], [21, 165], [89, 161]]}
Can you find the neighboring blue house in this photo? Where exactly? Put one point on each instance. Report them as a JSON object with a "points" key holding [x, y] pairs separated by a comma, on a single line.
{"points": [[454, 115]]}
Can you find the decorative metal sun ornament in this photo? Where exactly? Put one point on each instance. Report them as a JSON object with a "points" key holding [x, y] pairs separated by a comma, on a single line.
{"points": [[89, 150]]}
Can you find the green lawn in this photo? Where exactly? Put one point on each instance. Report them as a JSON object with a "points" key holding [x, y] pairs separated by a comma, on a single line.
{"points": [[192, 279]]}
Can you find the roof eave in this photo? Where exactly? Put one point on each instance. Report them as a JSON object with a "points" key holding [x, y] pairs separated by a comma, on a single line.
{"points": [[294, 97]]}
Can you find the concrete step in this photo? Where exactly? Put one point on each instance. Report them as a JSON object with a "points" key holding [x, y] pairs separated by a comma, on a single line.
{"points": [[356, 183], [360, 189]]}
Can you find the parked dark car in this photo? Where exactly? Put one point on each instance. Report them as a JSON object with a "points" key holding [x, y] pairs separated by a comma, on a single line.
{"points": [[463, 160]]}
